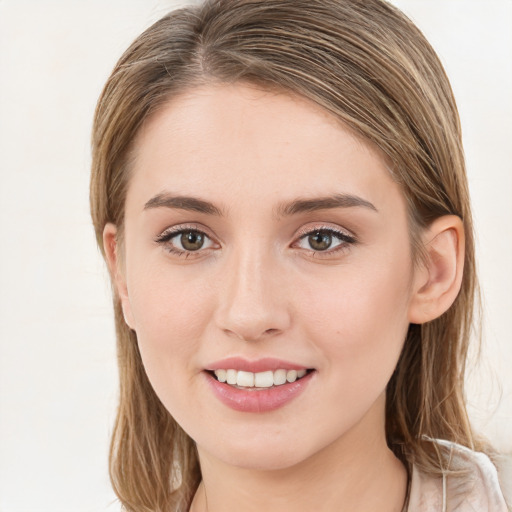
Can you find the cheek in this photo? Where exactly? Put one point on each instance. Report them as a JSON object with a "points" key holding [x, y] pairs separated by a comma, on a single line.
{"points": [[166, 301], [357, 329], [170, 312], [360, 319]]}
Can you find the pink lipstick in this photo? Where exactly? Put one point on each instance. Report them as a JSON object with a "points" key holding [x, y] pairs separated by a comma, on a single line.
{"points": [[257, 386]]}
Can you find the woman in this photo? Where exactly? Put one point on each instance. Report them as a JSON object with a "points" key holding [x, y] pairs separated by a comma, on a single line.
{"points": [[279, 190]]}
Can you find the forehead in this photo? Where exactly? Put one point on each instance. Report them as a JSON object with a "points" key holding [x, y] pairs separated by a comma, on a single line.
{"points": [[241, 142]]}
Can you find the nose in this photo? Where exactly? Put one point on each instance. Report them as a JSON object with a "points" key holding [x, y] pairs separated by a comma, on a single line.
{"points": [[253, 304]]}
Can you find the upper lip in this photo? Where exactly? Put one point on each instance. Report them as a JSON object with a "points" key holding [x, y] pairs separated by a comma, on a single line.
{"points": [[258, 365]]}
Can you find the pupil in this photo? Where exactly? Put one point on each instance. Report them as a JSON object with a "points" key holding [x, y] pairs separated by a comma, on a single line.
{"points": [[320, 241], [192, 241]]}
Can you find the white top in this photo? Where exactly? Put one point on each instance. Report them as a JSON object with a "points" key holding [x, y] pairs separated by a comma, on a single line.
{"points": [[477, 491]]}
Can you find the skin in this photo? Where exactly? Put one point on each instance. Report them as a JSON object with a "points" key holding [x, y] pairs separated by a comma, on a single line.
{"points": [[257, 288]]}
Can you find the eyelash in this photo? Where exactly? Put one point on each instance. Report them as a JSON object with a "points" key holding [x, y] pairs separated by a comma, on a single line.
{"points": [[166, 237], [345, 240]]}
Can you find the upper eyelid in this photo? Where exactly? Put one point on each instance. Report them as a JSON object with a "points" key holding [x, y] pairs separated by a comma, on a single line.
{"points": [[324, 227], [180, 228]]}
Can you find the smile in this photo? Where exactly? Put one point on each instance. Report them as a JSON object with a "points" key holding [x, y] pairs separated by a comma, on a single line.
{"points": [[247, 394], [266, 379], [257, 386]]}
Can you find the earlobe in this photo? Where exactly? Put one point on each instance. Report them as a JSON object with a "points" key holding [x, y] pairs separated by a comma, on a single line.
{"points": [[438, 279], [111, 246]]}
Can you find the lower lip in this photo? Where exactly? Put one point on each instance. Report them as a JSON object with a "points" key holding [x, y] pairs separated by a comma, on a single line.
{"points": [[258, 399]]}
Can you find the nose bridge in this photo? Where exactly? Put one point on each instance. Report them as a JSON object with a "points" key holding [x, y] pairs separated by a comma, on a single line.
{"points": [[252, 301]]}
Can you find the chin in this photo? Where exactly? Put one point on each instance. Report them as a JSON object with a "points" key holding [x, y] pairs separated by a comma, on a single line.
{"points": [[261, 453]]}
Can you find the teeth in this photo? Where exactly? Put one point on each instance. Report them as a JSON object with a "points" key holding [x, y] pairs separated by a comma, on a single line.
{"points": [[221, 375], [291, 375], [279, 377], [231, 376], [258, 380], [264, 379], [245, 379]]}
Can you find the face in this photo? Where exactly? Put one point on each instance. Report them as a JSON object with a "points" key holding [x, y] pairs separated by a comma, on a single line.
{"points": [[266, 244]]}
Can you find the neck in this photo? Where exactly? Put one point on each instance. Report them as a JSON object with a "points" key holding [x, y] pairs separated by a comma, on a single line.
{"points": [[356, 473]]}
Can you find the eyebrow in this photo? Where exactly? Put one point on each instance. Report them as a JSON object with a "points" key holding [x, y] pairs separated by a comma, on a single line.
{"points": [[323, 203], [192, 204], [166, 200]]}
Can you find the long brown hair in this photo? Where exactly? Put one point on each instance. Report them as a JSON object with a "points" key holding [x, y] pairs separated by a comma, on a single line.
{"points": [[371, 68]]}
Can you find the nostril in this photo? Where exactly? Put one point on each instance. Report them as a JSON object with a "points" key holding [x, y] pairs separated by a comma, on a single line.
{"points": [[245, 335]]}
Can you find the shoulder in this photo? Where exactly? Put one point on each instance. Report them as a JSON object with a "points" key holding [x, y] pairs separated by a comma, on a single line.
{"points": [[474, 487]]}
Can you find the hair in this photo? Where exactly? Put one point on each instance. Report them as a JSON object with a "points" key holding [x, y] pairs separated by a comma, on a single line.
{"points": [[368, 65]]}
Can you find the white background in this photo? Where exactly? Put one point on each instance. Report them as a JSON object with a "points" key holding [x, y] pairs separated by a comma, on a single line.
{"points": [[58, 380]]}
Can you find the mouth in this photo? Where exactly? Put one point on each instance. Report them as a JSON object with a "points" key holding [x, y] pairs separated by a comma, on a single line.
{"points": [[267, 379], [260, 385]]}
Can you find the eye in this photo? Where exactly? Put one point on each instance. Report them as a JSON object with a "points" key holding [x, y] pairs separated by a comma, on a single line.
{"points": [[191, 240], [184, 241], [327, 240]]}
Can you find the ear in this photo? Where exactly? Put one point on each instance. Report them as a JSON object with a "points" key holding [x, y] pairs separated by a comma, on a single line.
{"points": [[110, 243], [437, 281]]}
